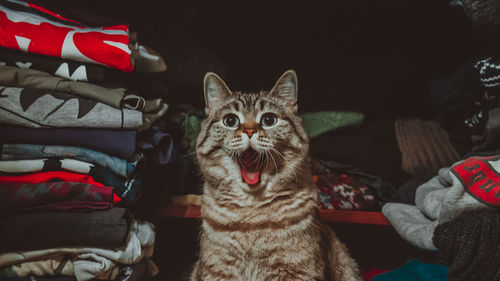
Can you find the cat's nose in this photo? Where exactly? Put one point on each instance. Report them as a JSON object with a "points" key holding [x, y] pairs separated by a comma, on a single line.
{"points": [[249, 131]]}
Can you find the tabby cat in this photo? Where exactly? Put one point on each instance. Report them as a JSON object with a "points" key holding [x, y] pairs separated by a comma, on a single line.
{"points": [[259, 203]]}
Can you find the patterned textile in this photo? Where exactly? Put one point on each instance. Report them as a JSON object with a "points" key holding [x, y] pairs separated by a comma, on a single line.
{"points": [[90, 263], [344, 192], [30, 28], [36, 108], [19, 151], [15, 197], [65, 68], [127, 189]]}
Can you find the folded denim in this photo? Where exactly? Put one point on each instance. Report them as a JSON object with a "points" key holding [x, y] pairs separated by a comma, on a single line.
{"points": [[121, 143], [119, 166]]}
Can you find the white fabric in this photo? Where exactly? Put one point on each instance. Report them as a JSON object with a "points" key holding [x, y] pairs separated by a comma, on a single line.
{"points": [[90, 263]]}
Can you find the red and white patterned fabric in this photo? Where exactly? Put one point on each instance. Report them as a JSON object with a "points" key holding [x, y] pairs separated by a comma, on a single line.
{"points": [[31, 28]]}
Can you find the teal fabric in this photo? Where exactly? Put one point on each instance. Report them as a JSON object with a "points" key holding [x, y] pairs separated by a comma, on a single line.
{"points": [[415, 270], [430, 272], [403, 273]]}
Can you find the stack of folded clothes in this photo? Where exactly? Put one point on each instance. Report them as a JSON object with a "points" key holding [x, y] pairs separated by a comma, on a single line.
{"points": [[70, 156]]}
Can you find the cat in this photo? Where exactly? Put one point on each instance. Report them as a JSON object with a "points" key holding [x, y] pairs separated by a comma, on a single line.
{"points": [[259, 207]]}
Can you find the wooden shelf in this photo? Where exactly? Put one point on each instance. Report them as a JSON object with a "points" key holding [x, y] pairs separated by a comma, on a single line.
{"points": [[355, 217], [358, 217]]}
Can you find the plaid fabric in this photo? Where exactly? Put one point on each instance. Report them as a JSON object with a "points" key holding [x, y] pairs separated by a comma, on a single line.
{"points": [[343, 192]]}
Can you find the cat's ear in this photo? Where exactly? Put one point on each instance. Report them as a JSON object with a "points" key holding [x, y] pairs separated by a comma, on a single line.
{"points": [[216, 92], [286, 89]]}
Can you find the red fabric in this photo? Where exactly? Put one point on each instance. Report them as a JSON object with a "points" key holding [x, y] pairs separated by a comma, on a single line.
{"points": [[343, 192], [480, 178], [42, 9], [33, 33], [20, 196], [368, 275], [50, 176], [54, 176]]}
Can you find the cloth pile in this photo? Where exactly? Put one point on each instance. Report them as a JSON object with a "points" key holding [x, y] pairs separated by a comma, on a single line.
{"points": [[350, 173], [72, 147], [450, 206]]}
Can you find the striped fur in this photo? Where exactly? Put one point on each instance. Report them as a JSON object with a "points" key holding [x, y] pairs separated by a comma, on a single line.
{"points": [[267, 231]]}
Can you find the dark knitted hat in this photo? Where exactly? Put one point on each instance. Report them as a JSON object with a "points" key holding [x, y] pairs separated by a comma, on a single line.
{"points": [[489, 74], [469, 245]]}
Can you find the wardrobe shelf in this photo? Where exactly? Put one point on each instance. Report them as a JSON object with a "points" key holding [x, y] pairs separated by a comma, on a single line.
{"points": [[334, 216]]}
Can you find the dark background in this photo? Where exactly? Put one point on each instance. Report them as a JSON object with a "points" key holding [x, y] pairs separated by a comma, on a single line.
{"points": [[373, 56]]}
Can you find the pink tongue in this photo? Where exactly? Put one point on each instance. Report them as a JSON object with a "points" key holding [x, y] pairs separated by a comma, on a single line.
{"points": [[250, 177], [250, 167]]}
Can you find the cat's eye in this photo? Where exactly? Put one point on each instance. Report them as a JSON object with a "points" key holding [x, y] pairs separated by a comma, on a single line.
{"points": [[268, 120], [231, 121]]}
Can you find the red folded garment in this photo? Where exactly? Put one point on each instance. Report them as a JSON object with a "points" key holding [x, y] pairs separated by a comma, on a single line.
{"points": [[34, 29], [368, 275], [55, 176], [18, 196]]}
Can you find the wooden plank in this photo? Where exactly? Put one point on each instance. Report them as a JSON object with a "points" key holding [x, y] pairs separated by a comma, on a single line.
{"points": [[177, 211], [356, 217]]}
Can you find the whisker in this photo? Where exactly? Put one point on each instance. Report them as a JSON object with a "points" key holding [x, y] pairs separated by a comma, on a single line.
{"points": [[188, 154], [283, 157], [271, 155]]}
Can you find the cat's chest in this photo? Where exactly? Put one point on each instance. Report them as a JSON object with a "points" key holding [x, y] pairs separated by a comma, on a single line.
{"points": [[255, 245]]}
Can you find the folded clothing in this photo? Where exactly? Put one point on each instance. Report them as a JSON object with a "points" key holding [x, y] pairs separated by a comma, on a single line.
{"points": [[127, 189], [120, 143], [99, 229], [91, 262], [116, 97], [69, 69], [30, 28], [59, 176], [61, 266], [18, 196], [41, 278], [119, 166], [469, 245], [37, 108]]}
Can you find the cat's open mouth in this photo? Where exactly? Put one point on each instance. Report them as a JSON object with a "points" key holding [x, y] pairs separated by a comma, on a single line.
{"points": [[251, 166]]}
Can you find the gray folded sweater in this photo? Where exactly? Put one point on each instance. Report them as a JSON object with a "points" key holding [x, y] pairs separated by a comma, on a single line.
{"points": [[48, 109]]}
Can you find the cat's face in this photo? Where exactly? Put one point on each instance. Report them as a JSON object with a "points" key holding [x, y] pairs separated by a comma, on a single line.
{"points": [[251, 140]]}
